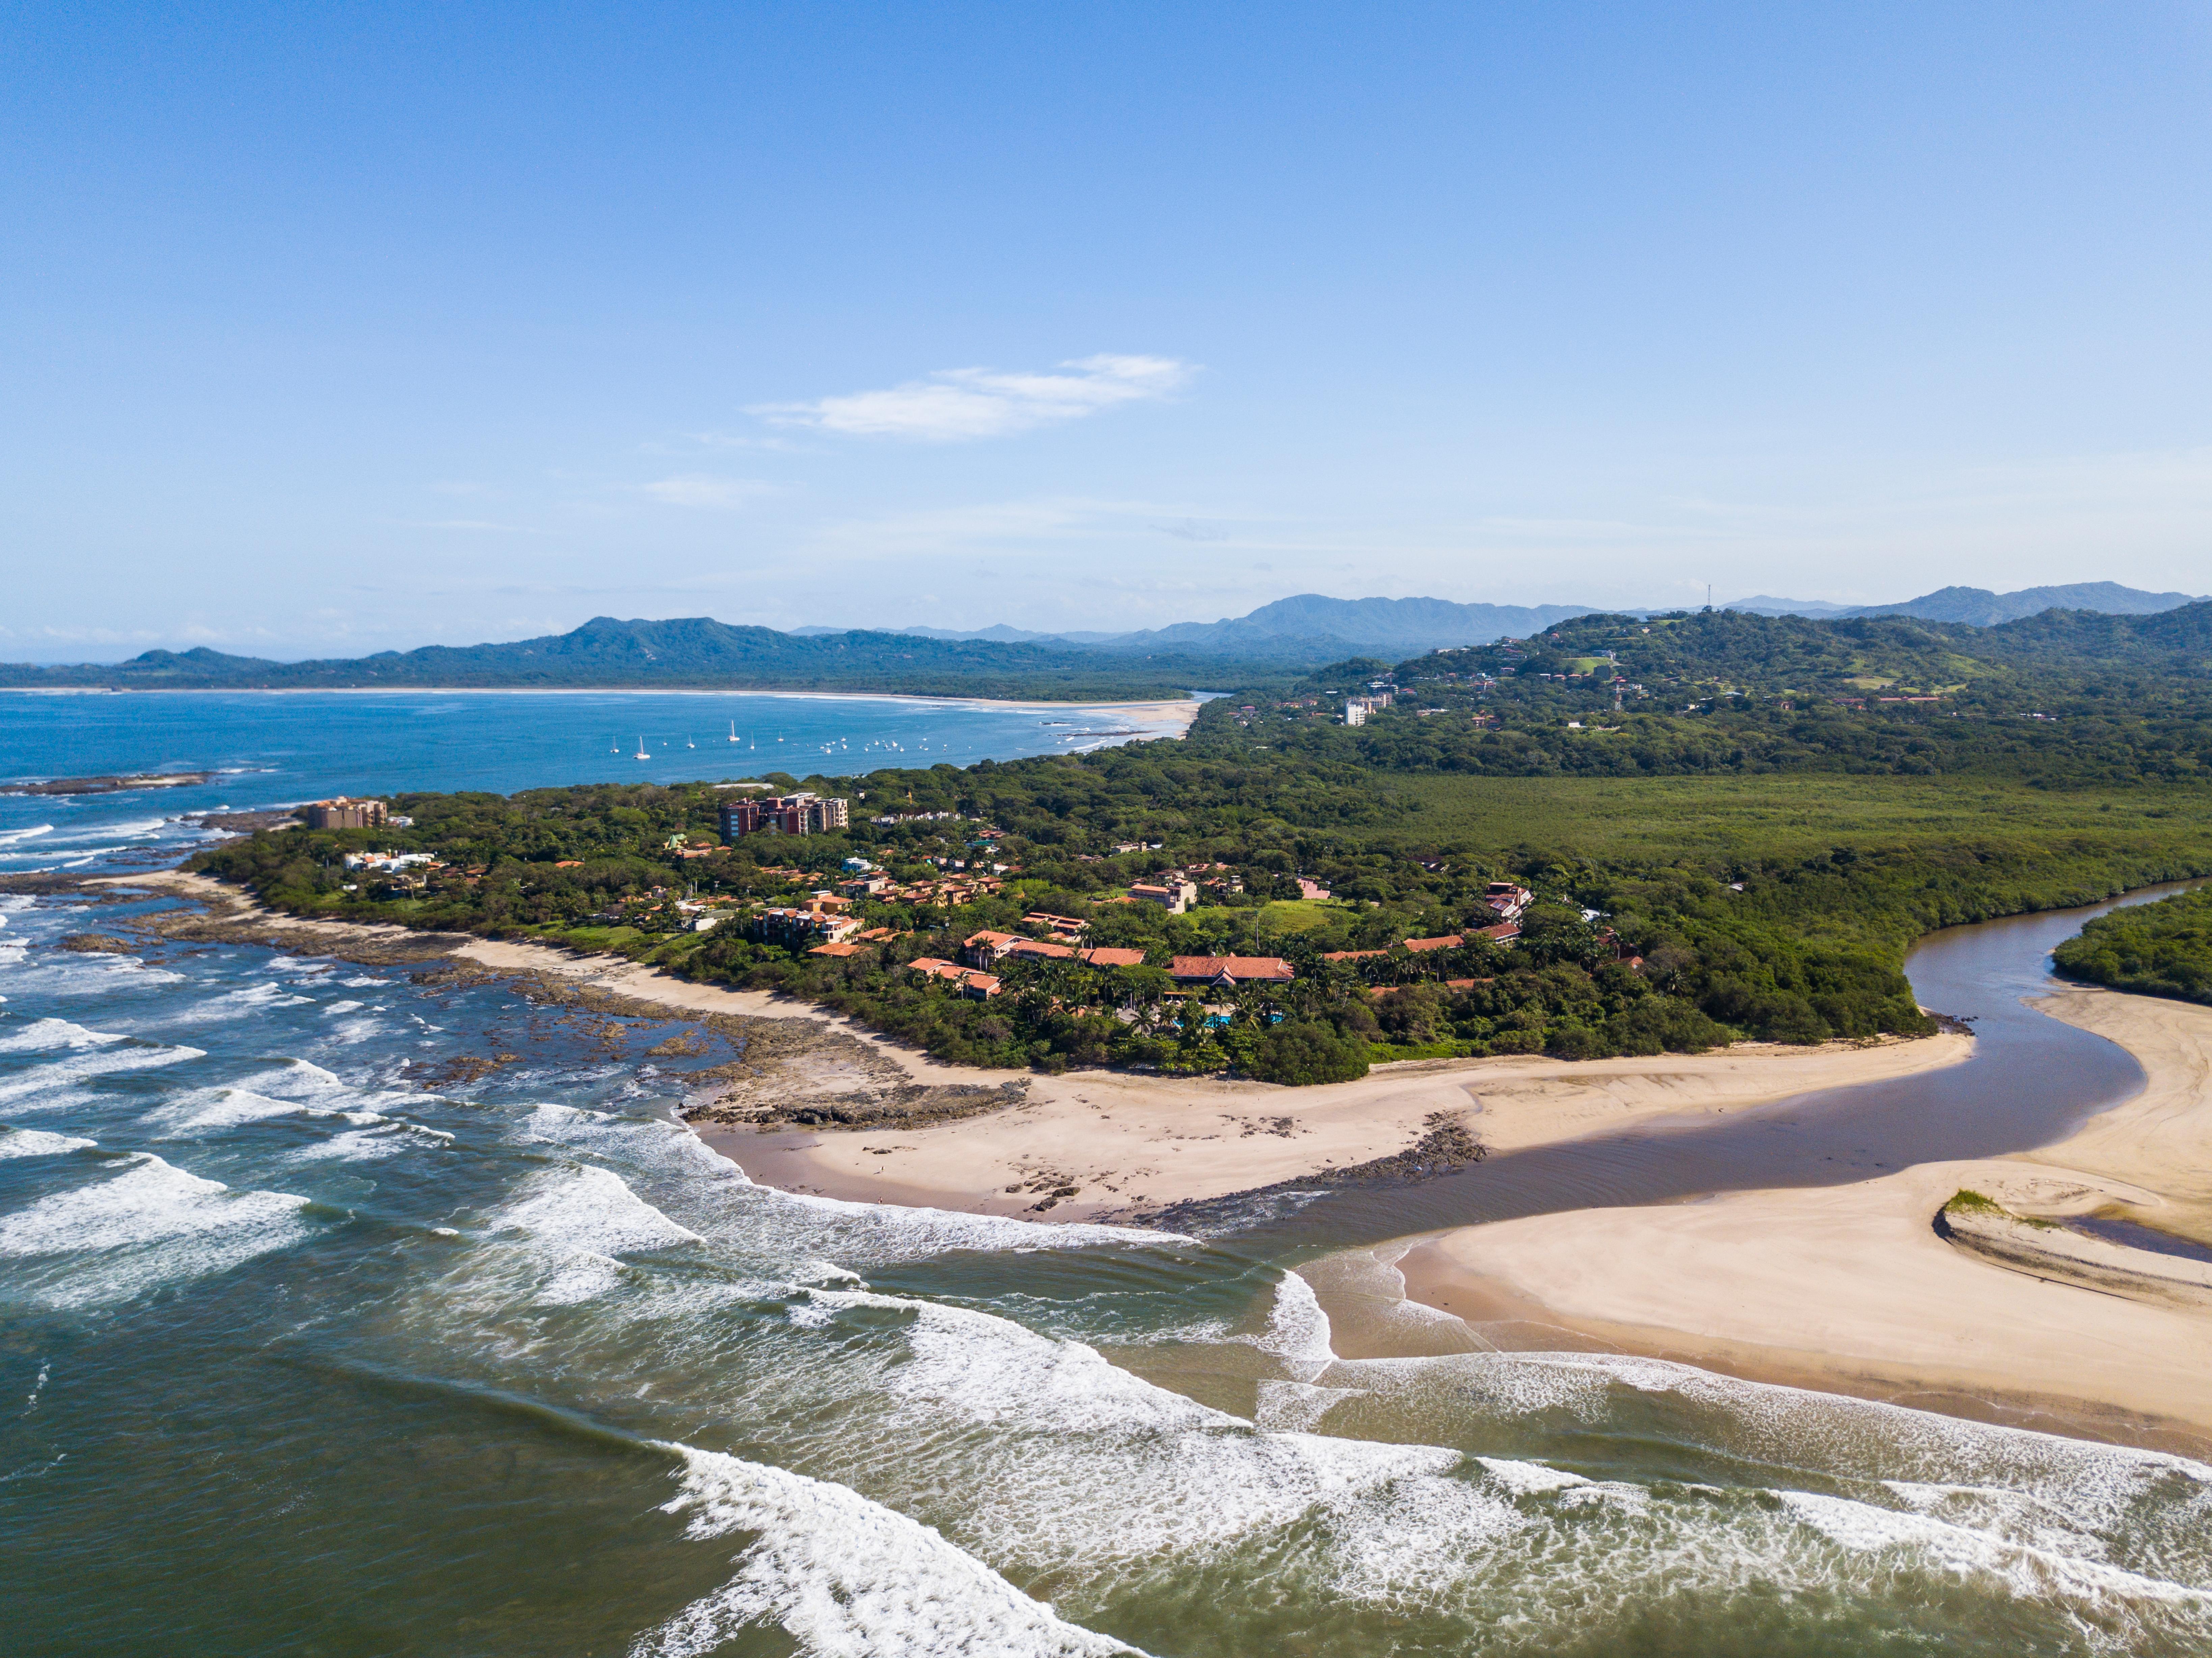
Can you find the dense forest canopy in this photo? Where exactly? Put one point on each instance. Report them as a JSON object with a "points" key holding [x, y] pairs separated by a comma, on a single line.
{"points": [[2163, 949]]}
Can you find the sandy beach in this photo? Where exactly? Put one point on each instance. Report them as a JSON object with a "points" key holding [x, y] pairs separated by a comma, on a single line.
{"points": [[1128, 1144], [1851, 1288], [1171, 715], [1133, 1142]]}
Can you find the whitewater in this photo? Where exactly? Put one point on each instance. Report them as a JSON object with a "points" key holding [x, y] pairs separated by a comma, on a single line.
{"points": [[300, 1354]]}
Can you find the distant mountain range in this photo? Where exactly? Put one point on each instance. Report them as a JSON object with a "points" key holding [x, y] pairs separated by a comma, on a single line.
{"points": [[1307, 626], [696, 651], [1980, 608], [1277, 639], [1310, 627]]}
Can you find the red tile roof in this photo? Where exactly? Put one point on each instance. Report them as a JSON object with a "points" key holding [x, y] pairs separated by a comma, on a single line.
{"points": [[1037, 948], [1272, 970], [1108, 957]]}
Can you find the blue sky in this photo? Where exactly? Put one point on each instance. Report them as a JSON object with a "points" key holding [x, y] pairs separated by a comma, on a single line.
{"points": [[337, 328]]}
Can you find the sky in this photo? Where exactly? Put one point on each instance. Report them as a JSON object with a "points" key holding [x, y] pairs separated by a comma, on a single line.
{"points": [[333, 329]]}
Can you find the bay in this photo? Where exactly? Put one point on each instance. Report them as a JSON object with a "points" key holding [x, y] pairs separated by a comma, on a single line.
{"points": [[276, 748]]}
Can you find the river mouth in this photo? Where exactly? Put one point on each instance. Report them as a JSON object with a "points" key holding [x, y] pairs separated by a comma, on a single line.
{"points": [[512, 1353], [2030, 1081]]}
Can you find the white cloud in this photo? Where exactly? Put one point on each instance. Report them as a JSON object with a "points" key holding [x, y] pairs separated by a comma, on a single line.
{"points": [[702, 489], [961, 403]]}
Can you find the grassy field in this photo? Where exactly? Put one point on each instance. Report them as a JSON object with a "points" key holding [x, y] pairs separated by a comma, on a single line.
{"points": [[1296, 915], [1782, 814]]}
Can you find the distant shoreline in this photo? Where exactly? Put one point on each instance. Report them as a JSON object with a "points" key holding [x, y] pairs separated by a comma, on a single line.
{"points": [[1164, 706]]}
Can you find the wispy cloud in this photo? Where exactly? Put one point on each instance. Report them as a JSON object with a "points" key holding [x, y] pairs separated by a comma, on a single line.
{"points": [[962, 404], [704, 490]]}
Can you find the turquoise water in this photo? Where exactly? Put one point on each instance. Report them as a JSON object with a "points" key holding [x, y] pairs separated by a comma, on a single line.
{"points": [[305, 1348], [275, 749]]}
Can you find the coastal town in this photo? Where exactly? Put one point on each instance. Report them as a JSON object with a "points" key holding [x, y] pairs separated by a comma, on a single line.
{"points": [[833, 920]]}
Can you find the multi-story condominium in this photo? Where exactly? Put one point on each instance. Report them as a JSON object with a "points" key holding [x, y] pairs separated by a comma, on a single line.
{"points": [[783, 814]]}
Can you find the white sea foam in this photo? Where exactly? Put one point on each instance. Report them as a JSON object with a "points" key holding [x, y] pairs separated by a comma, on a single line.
{"points": [[894, 1232], [50, 1085], [1298, 1328], [356, 1146], [1525, 1479], [46, 1034], [578, 1221], [844, 1575], [2036, 1516], [363, 982], [129, 830], [240, 1003], [667, 1148], [127, 1233], [37, 1143], [1298, 1406], [1052, 1425], [2024, 1570], [16, 837], [230, 1107]]}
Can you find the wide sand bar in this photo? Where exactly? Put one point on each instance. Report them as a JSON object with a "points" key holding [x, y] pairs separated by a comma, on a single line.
{"points": [[1852, 1288]]}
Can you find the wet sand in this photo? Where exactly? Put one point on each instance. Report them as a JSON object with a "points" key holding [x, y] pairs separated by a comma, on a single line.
{"points": [[1852, 1288], [1135, 1145]]}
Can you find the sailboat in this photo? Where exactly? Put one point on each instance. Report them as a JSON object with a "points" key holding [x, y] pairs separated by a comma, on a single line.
{"points": [[641, 753], [688, 744], [733, 730]]}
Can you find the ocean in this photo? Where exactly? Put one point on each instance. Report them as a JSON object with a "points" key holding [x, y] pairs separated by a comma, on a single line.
{"points": [[317, 1338], [269, 748]]}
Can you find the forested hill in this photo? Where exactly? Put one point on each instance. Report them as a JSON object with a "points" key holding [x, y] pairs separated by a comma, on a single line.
{"points": [[2062, 698], [691, 653], [1845, 656], [2152, 661]]}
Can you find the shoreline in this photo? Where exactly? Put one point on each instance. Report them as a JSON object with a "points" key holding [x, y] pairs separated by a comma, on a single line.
{"points": [[1168, 708], [1129, 1144], [1854, 1289]]}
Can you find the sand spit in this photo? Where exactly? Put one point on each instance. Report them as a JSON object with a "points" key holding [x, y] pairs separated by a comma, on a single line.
{"points": [[1089, 1143], [1138, 1145], [1857, 1289]]}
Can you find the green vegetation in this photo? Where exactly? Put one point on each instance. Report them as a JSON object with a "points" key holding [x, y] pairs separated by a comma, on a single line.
{"points": [[2163, 949], [1694, 886], [692, 652], [1965, 1202], [2056, 701]]}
